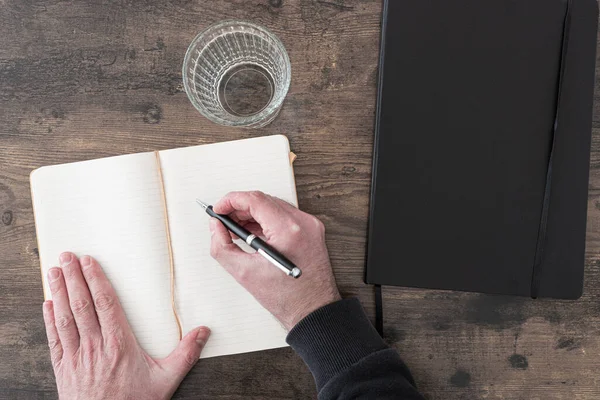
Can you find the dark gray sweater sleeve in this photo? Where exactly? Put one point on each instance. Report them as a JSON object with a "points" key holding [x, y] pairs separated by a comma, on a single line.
{"points": [[347, 357]]}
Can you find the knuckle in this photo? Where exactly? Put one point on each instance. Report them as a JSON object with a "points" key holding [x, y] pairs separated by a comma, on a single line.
{"points": [[64, 322], [56, 286], [190, 358], [69, 270], [115, 341], [53, 344], [55, 359], [91, 274], [80, 306], [256, 195], [50, 326], [104, 302]]}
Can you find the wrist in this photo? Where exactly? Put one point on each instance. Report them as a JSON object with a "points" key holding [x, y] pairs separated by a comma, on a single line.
{"points": [[310, 306]]}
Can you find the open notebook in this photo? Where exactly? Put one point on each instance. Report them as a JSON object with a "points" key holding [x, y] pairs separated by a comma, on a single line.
{"points": [[112, 209]]}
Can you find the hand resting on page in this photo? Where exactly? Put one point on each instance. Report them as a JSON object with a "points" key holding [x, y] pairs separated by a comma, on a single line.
{"points": [[93, 350]]}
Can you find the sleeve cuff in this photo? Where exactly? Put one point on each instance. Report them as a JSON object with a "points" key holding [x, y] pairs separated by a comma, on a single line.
{"points": [[333, 338]]}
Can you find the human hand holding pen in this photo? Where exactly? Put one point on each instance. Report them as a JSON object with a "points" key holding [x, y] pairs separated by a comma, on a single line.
{"points": [[296, 234], [264, 249]]}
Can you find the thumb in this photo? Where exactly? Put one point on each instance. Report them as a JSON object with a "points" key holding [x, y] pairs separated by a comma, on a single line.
{"points": [[186, 354]]}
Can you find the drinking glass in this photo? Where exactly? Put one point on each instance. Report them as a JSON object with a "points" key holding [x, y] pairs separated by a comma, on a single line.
{"points": [[237, 73]]}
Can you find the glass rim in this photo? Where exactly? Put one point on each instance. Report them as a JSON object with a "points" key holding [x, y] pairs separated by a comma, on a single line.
{"points": [[272, 108]]}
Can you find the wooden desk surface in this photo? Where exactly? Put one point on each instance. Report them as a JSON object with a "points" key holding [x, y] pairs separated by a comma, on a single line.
{"points": [[80, 80]]}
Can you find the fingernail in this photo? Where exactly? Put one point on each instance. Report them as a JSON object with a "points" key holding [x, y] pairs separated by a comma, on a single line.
{"points": [[65, 259], [202, 336], [53, 274], [212, 224], [85, 261]]}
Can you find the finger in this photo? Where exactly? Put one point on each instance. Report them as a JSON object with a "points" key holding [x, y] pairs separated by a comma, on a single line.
{"points": [[227, 253], [111, 316], [253, 228], [237, 221], [64, 322], [250, 226], [186, 354], [56, 351], [268, 214], [241, 216], [241, 221], [80, 299]]}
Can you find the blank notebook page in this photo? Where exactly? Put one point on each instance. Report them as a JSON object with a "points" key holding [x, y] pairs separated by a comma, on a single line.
{"points": [[111, 209], [205, 293]]}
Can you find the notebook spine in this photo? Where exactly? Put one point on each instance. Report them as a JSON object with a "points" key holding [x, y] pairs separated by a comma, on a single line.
{"points": [[384, 16]]}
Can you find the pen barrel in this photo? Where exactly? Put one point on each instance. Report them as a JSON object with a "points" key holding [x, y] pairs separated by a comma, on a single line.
{"points": [[230, 224], [258, 244]]}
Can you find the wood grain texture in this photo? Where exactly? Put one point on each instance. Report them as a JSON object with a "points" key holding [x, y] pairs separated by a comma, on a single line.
{"points": [[87, 79]]}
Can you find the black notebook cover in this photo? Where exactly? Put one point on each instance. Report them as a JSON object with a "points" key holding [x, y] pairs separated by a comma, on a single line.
{"points": [[477, 100]]}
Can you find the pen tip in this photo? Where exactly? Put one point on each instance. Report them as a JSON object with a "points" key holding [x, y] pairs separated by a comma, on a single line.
{"points": [[204, 205]]}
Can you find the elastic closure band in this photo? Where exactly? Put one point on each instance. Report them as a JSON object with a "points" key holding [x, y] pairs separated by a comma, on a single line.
{"points": [[536, 275]]}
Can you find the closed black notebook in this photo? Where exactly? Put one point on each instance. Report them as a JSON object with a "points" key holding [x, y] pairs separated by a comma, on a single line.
{"points": [[482, 146]]}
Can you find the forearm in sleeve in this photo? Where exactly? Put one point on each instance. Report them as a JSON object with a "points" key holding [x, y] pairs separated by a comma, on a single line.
{"points": [[347, 357]]}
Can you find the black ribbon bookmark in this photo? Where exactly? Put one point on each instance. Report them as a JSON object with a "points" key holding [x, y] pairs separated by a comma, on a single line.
{"points": [[536, 275], [378, 310]]}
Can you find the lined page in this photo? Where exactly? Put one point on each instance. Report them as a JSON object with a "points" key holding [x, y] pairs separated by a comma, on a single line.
{"points": [[206, 293], [112, 209]]}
